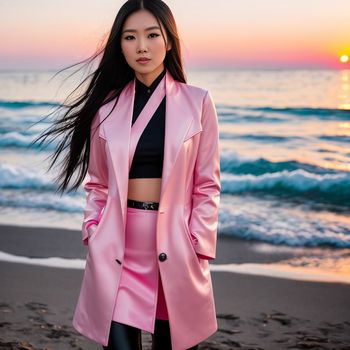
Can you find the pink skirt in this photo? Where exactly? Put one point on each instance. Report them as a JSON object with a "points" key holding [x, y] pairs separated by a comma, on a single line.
{"points": [[140, 298]]}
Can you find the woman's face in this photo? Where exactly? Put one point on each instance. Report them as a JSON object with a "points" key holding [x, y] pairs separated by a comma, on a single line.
{"points": [[142, 37]]}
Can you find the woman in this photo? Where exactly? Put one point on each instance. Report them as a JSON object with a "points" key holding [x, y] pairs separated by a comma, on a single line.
{"points": [[151, 214]]}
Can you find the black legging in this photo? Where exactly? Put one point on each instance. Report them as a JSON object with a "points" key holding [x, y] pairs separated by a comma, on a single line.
{"points": [[125, 337]]}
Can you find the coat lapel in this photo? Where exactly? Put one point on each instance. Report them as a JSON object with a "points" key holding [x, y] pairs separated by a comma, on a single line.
{"points": [[117, 128], [177, 122]]}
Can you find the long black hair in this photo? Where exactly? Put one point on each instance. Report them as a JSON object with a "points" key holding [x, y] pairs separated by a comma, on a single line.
{"points": [[104, 84]]}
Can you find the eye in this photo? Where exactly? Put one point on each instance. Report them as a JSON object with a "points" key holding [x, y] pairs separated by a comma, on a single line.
{"points": [[155, 35], [128, 36]]}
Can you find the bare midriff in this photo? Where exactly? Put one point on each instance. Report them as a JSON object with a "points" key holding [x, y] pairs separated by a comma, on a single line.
{"points": [[145, 189]]}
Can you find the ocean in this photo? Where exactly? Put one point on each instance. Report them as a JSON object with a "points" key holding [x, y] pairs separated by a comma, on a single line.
{"points": [[284, 142]]}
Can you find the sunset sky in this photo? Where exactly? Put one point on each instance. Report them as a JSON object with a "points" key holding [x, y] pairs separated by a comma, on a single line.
{"points": [[231, 33]]}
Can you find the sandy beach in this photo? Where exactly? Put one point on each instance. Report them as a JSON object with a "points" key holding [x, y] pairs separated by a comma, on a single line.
{"points": [[254, 312]]}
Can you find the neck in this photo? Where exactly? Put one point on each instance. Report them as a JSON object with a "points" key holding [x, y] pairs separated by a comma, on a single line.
{"points": [[148, 78]]}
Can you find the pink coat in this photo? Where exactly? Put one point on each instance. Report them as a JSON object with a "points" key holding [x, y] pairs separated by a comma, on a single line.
{"points": [[187, 216]]}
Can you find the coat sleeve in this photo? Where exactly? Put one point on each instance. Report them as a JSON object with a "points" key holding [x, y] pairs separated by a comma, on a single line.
{"points": [[96, 186], [206, 188]]}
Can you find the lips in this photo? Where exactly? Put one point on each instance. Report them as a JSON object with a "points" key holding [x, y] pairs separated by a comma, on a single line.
{"points": [[143, 59]]}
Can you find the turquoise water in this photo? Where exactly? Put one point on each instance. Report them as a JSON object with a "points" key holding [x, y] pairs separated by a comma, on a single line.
{"points": [[285, 154]]}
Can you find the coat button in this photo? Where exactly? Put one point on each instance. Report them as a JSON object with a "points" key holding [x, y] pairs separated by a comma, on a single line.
{"points": [[118, 261], [162, 256]]}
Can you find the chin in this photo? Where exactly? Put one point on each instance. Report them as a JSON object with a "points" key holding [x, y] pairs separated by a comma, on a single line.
{"points": [[145, 70]]}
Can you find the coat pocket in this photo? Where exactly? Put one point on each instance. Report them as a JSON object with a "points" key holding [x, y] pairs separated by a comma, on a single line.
{"points": [[189, 236], [92, 235], [98, 228]]}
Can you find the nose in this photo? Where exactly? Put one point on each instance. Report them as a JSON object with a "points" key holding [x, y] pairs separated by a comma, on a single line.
{"points": [[141, 50], [142, 47]]}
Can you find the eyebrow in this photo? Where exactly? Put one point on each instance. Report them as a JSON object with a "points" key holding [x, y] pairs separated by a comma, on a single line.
{"points": [[134, 30]]}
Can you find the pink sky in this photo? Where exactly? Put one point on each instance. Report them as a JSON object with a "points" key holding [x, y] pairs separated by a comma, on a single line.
{"points": [[233, 33]]}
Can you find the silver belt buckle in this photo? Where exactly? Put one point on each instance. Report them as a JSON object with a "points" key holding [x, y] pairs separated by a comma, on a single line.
{"points": [[147, 205]]}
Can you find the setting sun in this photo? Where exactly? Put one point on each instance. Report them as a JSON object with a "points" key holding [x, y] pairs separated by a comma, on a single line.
{"points": [[344, 58]]}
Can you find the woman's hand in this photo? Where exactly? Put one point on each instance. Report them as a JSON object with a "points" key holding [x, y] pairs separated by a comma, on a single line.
{"points": [[91, 229]]}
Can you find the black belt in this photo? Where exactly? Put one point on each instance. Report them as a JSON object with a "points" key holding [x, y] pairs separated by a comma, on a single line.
{"points": [[143, 205]]}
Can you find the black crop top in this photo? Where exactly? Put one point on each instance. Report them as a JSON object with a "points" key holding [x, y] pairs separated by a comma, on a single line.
{"points": [[149, 152]]}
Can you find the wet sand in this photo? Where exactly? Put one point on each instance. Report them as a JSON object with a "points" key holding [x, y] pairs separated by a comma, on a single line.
{"points": [[254, 312]]}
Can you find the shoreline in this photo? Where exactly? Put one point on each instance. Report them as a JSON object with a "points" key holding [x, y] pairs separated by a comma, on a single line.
{"points": [[253, 312], [44, 246]]}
